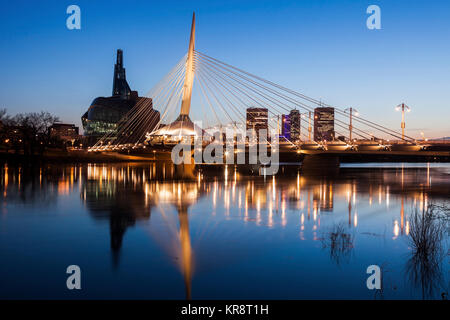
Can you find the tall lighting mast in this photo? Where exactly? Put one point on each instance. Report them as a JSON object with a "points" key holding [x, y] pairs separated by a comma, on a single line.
{"points": [[351, 111], [403, 107]]}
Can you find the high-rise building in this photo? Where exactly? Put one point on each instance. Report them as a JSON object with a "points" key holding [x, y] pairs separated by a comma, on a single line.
{"points": [[257, 119], [295, 125], [286, 126], [104, 114], [324, 124], [64, 131]]}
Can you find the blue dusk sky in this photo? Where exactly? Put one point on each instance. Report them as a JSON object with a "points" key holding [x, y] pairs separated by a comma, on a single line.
{"points": [[321, 48]]}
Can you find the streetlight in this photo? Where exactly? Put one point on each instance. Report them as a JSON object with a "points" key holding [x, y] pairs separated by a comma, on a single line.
{"points": [[351, 111], [423, 136], [403, 107]]}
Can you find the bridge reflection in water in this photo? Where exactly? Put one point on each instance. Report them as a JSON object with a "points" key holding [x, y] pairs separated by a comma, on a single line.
{"points": [[126, 195]]}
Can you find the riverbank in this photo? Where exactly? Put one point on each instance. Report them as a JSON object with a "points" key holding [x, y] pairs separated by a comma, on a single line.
{"points": [[83, 156], [78, 156]]}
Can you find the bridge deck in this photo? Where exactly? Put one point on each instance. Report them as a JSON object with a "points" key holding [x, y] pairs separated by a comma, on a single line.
{"points": [[378, 152]]}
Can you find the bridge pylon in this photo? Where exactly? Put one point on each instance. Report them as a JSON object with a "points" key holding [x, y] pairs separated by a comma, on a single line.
{"points": [[183, 125]]}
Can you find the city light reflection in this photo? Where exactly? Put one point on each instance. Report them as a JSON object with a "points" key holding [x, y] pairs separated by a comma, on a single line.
{"points": [[132, 193]]}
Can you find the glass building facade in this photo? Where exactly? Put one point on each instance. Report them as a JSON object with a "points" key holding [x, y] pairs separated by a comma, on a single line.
{"points": [[105, 113], [323, 124]]}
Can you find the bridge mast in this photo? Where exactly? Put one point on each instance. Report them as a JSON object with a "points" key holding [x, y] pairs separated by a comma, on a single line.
{"points": [[189, 76]]}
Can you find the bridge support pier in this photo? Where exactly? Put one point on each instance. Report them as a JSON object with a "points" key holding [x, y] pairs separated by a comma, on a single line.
{"points": [[320, 164], [186, 170]]}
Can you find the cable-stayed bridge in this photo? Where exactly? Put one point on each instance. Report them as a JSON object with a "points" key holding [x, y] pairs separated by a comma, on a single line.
{"points": [[222, 96]]}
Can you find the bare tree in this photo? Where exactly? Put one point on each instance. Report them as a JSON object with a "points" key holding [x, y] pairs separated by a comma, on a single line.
{"points": [[30, 130]]}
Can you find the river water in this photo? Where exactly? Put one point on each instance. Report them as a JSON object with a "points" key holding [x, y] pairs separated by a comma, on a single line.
{"points": [[138, 233]]}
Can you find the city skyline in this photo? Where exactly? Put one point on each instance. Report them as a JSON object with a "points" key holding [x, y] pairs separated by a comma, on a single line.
{"points": [[343, 63]]}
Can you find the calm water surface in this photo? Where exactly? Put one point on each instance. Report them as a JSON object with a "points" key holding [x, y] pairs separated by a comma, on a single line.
{"points": [[136, 233]]}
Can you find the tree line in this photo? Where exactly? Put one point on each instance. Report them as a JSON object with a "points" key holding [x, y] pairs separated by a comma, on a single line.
{"points": [[26, 133]]}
